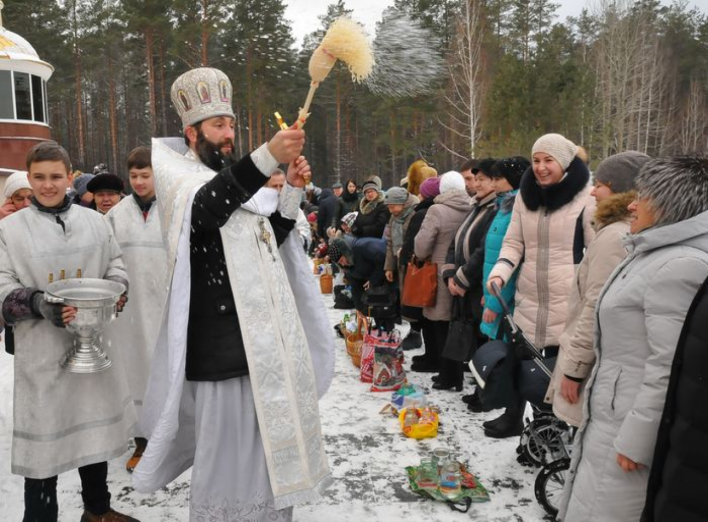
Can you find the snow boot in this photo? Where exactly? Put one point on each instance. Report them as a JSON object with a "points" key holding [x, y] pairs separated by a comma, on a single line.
{"points": [[412, 341], [111, 516]]}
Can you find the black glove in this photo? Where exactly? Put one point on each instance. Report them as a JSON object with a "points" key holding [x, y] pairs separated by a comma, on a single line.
{"points": [[50, 311]]}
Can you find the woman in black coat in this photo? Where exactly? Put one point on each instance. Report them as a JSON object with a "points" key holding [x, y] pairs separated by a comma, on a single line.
{"points": [[347, 202], [678, 480], [373, 214]]}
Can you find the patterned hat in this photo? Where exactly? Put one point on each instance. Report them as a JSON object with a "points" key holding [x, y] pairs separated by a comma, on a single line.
{"points": [[200, 94]]}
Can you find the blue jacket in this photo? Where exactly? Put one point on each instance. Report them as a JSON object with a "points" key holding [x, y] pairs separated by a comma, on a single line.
{"points": [[492, 247]]}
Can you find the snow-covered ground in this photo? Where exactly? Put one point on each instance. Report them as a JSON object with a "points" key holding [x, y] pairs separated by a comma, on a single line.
{"points": [[367, 451]]}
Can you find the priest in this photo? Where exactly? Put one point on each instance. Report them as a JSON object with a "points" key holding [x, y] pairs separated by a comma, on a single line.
{"points": [[245, 350]]}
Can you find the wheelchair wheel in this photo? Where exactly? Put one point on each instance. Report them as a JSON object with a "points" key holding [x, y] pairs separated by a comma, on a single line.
{"points": [[550, 483], [541, 438]]}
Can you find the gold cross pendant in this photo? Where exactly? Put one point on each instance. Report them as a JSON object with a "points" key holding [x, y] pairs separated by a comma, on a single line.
{"points": [[265, 237]]}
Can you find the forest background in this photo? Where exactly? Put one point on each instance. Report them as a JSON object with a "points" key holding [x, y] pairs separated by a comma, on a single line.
{"points": [[627, 75]]}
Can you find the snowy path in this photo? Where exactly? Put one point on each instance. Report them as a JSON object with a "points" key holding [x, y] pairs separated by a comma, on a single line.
{"points": [[367, 453]]}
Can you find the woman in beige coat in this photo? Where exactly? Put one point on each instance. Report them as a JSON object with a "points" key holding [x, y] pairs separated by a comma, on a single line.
{"points": [[549, 230], [436, 233], [614, 191]]}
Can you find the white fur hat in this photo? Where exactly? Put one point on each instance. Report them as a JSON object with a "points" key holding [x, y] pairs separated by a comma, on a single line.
{"points": [[451, 180], [200, 94], [561, 148], [16, 181]]}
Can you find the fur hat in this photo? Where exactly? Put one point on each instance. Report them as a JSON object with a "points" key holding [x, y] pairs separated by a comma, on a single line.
{"points": [[418, 172], [200, 94], [349, 218], [676, 187], [451, 180], [485, 166], [105, 182], [396, 196], [620, 170], [338, 248], [16, 181], [430, 188], [562, 149], [510, 169]]}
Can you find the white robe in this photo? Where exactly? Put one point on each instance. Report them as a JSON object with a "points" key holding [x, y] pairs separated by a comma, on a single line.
{"points": [[135, 331], [62, 420], [170, 413]]}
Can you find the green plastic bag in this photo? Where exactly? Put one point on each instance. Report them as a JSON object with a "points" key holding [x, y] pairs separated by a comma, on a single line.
{"points": [[468, 495]]}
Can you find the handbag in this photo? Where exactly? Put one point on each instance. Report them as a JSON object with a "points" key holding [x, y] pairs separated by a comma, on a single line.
{"points": [[461, 340], [420, 286]]}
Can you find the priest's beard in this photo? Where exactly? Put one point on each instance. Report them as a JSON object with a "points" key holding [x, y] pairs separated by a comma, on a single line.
{"points": [[210, 154]]}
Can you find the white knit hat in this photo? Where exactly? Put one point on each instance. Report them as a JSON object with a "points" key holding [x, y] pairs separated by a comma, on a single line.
{"points": [[561, 148], [451, 180], [16, 181], [200, 94]]}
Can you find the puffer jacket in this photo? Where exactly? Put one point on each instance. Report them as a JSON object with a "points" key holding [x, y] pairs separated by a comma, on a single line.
{"points": [[436, 233], [549, 231], [639, 316], [679, 473], [576, 356], [492, 246]]}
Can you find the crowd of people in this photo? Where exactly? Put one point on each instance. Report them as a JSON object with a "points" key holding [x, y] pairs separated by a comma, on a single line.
{"points": [[599, 270], [221, 348]]}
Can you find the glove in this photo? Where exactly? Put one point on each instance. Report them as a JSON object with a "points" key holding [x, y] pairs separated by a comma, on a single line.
{"points": [[50, 311]]}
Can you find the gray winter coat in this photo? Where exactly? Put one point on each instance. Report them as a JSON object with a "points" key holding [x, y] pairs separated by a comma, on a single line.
{"points": [[639, 316], [433, 240]]}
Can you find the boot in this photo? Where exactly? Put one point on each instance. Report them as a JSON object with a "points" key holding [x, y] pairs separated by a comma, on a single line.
{"points": [[429, 366], [418, 359], [510, 424], [111, 516], [140, 445], [474, 403], [413, 341]]}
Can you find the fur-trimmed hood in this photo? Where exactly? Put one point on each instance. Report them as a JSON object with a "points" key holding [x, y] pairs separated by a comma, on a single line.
{"points": [[558, 195], [613, 209]]}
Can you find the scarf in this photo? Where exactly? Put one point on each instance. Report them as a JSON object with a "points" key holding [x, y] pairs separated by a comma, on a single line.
{"points": [[397, 231], [264, 202]]}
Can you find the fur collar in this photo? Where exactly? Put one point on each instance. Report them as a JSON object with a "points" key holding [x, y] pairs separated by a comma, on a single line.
{"points": [[558, 195], [613, 209], [367, 207]]}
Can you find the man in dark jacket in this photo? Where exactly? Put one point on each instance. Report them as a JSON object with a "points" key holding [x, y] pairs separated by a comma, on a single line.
{"points": [[362, 263], [327, 211]]}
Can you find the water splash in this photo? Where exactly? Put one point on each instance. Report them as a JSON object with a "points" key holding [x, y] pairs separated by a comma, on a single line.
{"points": [[407, 63]]}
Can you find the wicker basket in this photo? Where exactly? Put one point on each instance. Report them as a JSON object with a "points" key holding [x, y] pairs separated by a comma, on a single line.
{"points": [[355, 339]]}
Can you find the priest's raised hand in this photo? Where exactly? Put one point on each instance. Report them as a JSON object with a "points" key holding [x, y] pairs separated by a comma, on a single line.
{"points": [[286, 146]]}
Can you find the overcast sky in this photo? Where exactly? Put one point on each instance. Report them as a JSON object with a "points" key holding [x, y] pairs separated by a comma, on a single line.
{"points": [[303, 13]]}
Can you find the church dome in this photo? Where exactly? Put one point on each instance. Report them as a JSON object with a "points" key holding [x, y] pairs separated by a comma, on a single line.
{"points": [[14, 47]]}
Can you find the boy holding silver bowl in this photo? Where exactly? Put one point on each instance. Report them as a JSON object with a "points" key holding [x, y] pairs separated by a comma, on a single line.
{"points": [[62, 420]]}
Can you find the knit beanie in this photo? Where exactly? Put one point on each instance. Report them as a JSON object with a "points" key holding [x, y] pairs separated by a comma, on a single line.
{"points": [[338, 248], [16, 181], [80, 183], [562, 149], [510, 169], [374, 182], [451, 180], [618, 171], [430, 188], [349, 218], [396, 196]]}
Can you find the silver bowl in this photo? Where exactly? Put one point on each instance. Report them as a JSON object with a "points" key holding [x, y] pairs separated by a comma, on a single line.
{"points": [[95, 302]]}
